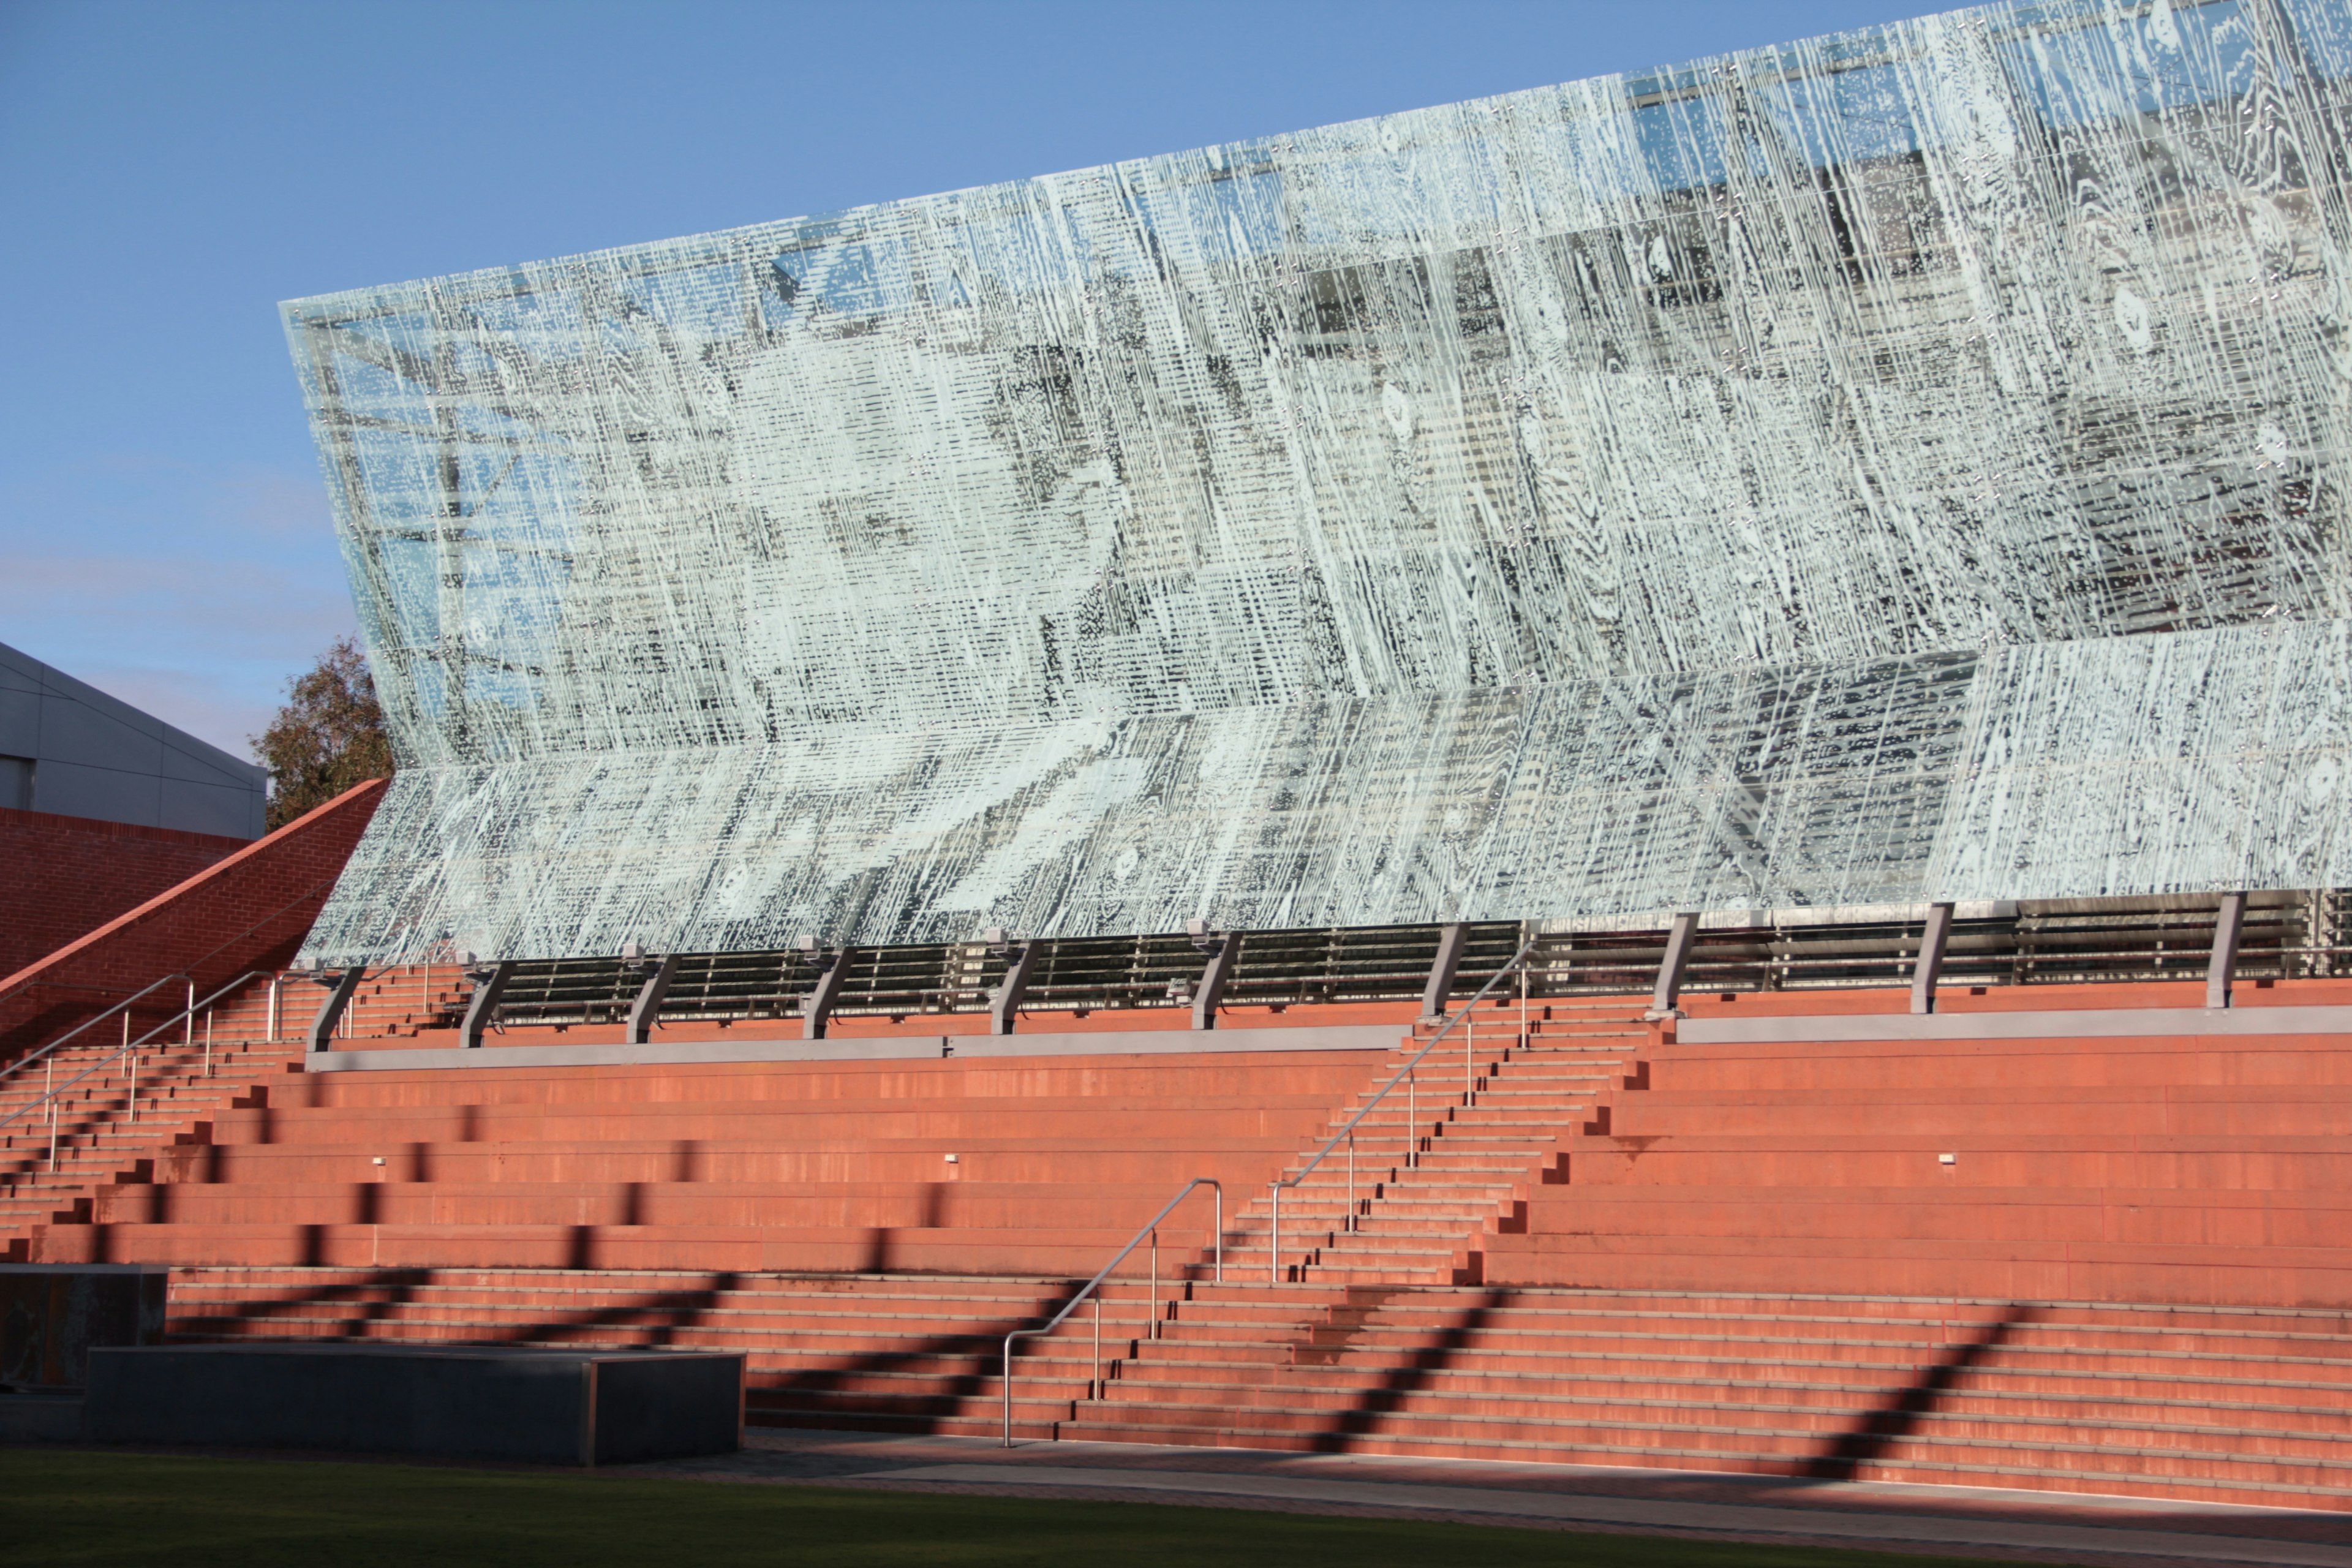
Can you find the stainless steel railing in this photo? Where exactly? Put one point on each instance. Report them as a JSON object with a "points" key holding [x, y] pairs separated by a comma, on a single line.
{"points": [[48, 1096], [1348, 1134], [1093, 1286], [29, 1058]]}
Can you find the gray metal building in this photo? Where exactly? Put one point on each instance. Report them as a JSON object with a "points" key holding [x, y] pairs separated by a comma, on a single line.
{"points": [[69, 748]]}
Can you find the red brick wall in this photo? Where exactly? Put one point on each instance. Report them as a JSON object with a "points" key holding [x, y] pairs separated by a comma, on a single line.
{"points": [[249, 911], [64, 877]]}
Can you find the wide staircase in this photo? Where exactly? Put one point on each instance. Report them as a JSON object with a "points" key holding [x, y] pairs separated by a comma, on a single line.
{"points": [[2077, 1264], [868, 1231], [88, 1116], [2230, 1405], [2157, 1167], [2103, 1264], [1036, 1166], [88, 1113]]}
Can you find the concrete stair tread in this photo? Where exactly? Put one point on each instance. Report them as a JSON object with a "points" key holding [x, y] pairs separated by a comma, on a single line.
{"points": [[1595, 1409], [1666, 1456], [1793, 1435]]}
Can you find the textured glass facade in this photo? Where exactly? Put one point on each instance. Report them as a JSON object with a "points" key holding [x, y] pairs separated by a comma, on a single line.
{"points": [[1904, 464]]}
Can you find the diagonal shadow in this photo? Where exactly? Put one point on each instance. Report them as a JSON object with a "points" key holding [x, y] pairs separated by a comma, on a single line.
{"points": [[662, 1314], [662, 1319], [397, 1286], [1898, 1416], [1400, 1384], [979, 1347]]}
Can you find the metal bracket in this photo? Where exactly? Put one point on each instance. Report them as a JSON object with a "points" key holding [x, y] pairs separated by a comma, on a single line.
{"points": [[1679, 937], [832, 968], [1452, 942], [1222, 948], [2229, 923], [489, 985], [1005, 1000], [331, 1012], [1930, 961], [647, 1007]]}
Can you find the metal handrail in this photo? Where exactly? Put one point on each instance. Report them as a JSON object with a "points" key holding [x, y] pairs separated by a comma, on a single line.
{"points": [[190, 1011], [31, 1056], [1273, 1260], [1151, 1228]]}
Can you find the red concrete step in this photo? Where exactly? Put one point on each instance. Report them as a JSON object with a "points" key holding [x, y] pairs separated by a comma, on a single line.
{"points": [[2056, 1064], [1164, 1163], [2187, 1110], [1321, 1077], [2150, 1217], [1980, 1159], [856, 1204], [726, 1121], [2219, 1273], [744, 1247]]}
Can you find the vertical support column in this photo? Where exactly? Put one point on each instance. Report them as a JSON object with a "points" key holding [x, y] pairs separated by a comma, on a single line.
{"points": [[1930, 961], [1679, 937], [490, 984], [1452, 941], [1005, 1000], [1222, 950], [2228, 922], [338, 996], [647, 1007], [831, 969]]}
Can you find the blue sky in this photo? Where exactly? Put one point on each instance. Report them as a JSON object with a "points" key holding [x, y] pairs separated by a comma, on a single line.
{"points": [[169, 172]]}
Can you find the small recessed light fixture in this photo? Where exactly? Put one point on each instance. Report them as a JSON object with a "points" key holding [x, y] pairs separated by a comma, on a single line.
{"points": [[379, 1159], [1947, 1159], [952, 1160]]}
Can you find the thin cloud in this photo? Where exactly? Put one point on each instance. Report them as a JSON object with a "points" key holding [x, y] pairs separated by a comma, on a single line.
{"points": [[191, 591], [208, 708]]}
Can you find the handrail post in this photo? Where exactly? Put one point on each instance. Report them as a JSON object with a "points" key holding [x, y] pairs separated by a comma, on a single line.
{"points": [[52, 1090], [1349, 1223], [45, 1053], [1093, 1286], [1274, 1258]]}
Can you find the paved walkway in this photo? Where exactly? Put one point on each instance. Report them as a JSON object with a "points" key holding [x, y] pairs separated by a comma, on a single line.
{"points": [[2022, 1526]]}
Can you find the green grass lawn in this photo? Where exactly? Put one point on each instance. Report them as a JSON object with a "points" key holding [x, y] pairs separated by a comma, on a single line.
{"points": [[102, 1509]]}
